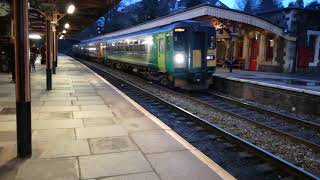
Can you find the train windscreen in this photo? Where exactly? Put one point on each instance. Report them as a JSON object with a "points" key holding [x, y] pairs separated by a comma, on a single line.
{"points": [[180, 41]]}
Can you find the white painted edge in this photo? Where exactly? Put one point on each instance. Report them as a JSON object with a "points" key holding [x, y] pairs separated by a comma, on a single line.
{"points": [[306, 91], [202, 157]]}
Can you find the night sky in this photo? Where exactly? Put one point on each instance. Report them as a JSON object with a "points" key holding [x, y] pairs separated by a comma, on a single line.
{"points": [[231, 3]]}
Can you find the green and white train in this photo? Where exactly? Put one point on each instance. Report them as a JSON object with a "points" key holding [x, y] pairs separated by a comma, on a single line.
{"points": [[181, 54]]}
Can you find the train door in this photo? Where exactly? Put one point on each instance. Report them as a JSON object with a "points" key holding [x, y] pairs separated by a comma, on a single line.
{"points": [[198, 49], [161, 52], [254, 46]]}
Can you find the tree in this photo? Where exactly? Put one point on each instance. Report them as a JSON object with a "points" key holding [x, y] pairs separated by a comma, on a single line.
{"points": [[299, 4], [191, 3], [291, 4], [149, 10], [315, 5], [266, 5], [248, 6]]}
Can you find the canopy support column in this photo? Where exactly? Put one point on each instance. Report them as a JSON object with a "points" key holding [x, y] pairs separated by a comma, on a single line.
{"points": [[49, 55], [23, 100], [54, 48]]}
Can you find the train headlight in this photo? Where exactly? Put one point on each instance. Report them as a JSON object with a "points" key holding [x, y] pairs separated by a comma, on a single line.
{"points": [[179, 59], [210, 58]]}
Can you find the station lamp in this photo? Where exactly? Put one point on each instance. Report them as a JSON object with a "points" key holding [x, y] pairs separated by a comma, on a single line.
{"points": [[64, 31], [34, 36], [71, 8], [67, 25]]}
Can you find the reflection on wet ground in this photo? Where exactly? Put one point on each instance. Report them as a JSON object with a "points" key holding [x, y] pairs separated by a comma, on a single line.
{"points": [[300, 81], [296, 82]]}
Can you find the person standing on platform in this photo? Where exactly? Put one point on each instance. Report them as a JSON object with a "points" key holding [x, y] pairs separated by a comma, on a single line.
{"points": [[43, 54], [33, 56]]}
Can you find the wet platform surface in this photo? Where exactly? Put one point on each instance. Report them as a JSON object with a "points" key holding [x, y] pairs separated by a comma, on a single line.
{"points": [[308, 82], [86, 129]]}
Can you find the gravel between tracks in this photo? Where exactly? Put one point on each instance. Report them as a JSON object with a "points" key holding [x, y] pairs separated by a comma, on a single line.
{"points": [[297, 154]]}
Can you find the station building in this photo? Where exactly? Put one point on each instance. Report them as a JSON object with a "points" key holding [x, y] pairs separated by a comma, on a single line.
{"points": [[284, 40]]}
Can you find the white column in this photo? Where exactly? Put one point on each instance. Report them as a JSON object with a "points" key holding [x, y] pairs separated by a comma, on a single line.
{"points": [[262, 50], [316, 53], [245, 52]]}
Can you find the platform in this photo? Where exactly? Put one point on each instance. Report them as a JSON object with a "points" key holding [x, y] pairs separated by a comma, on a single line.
{"points": [[308, 83], [87, 129]]}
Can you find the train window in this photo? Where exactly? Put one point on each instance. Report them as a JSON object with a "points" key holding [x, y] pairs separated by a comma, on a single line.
{"points": [[180, 41], [161, 45]]}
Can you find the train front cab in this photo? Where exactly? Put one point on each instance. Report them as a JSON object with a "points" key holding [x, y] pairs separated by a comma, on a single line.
{"points": [[194, 56]]}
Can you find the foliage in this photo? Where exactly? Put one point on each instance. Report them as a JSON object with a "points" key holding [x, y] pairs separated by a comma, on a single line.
{"points": [[266, 5], [299, 4], [247, 5], [191, 3], [315, 5]]}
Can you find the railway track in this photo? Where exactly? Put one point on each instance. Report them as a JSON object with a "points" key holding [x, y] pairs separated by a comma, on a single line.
{"points": [[298, 130], [239, 157]]}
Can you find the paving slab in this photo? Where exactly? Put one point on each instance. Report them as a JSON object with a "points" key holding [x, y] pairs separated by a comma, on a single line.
{"points": [[88, 102], [113, 144], [96, 122], [138, 124], [55, 115], [113, 164], [53, 134], [139, 176], [102, 131], [127, 112], [56, 124], [157, 141], [57, 103], [60, 169], [181, 165], [92, 114], [61, 148], [8, 126], [59, 108]]}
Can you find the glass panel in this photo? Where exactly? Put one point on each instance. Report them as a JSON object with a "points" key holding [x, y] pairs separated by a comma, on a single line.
{"points": [[180, 41]]}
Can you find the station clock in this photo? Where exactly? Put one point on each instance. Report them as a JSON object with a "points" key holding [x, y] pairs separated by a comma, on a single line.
{"points": [[4, 8]]}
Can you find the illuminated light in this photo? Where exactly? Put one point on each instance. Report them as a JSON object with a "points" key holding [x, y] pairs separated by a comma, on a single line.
{"points": [[34, 36], [71, 9], [67, 25], [179, 30], [92, 49], [64, 31], [210, 58], [179, 59], [148, 40], [271, 42]]}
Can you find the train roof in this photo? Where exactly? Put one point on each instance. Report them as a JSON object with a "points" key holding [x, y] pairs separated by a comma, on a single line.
{"points": [[147, 31]]}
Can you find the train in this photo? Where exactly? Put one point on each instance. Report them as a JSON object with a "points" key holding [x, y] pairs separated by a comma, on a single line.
{"points": [[181, 54]]}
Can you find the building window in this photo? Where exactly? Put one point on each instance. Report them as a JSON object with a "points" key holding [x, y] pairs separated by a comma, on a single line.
{"points": [[312, 46], [270, 42]]}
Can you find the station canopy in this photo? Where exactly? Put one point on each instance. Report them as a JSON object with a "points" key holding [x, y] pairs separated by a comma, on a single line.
{"points": [[86, 12]]}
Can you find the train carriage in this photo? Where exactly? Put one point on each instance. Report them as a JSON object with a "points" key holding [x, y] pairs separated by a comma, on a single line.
{"points": [[181, 54]]}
